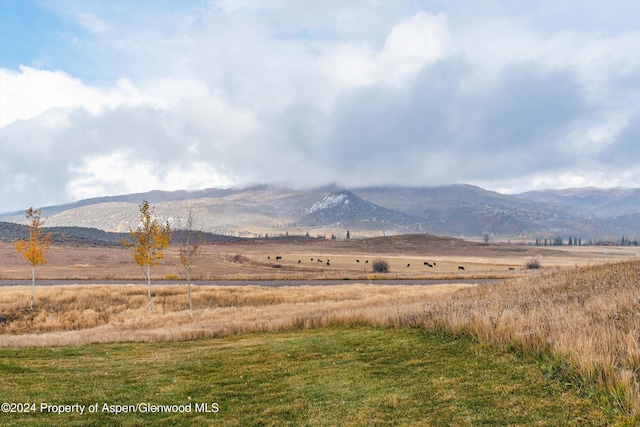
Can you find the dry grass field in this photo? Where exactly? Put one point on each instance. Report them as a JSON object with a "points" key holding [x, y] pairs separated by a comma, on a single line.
{"points": [[79, 314], [347, 259], [579, 315]]}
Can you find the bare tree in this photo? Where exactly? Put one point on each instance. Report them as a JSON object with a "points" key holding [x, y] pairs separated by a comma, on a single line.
{"points": [[190, 241]]}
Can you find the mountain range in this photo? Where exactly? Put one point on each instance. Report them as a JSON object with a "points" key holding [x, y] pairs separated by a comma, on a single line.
{"points": [[455, 210]]}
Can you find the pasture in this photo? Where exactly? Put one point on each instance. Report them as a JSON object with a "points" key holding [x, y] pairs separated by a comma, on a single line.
{"points": [[300, 260], [574, 323]]}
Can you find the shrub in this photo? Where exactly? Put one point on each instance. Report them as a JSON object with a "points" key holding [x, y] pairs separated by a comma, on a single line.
{"points": [[380, 266], [533, 264], [242, 259]]}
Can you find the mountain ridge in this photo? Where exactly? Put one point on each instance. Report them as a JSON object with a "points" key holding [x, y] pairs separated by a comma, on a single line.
{"points": [[600, 202], [460, 210]]}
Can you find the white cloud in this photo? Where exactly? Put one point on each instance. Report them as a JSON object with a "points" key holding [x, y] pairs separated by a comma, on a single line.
{"points": [[92, 23], [123, 172], [410, 45], [592, 136], [31, 92], [311, 92]]}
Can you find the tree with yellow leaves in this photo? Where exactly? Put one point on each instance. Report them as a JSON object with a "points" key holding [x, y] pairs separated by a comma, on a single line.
{"points": [[34, 248], [149, 240]]}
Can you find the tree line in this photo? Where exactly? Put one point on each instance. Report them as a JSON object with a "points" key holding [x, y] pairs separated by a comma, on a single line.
{"points": [[577, 241]]}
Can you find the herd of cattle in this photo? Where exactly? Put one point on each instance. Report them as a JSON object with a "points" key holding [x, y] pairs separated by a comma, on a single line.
{"points": [[328, 262]]}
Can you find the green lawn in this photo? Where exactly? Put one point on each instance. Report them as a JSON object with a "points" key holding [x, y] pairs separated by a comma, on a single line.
{"points": [[332, 376]]}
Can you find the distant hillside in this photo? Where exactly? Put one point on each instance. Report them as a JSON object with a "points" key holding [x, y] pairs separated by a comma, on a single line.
{"points": [[82, 236], [599, 202], [10, 232], [466, 210], [455, 210]]}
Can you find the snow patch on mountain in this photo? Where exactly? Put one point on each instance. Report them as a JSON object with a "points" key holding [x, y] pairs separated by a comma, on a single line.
{"points": [[331, 201]]}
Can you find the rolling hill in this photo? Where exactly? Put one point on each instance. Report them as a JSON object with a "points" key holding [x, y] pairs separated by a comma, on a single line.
{"points": [[456, 210]]}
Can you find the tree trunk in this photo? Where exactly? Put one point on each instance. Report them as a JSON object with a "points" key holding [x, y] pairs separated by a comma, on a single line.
{"points": [[148, 272], [190, 301], [33, 285]]}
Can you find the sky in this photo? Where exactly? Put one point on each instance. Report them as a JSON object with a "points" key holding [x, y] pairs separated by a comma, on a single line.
{"points": [[115, 97]]}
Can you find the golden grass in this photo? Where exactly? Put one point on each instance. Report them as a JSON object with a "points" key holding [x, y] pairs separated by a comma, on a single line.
{"points": [[80, 314], [251, 260], [587, 317]]}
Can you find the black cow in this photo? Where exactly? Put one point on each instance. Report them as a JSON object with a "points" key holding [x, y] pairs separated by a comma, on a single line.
{"points": [[3, 319], [278, 258], [460, 267]]}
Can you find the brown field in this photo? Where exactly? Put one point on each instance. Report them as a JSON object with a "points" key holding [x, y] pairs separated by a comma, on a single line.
{"points": [[82, 314], [257, 260], [581, 310]]}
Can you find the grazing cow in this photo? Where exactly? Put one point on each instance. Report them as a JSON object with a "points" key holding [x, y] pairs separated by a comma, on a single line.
{"points": [[460, 267], [311, 259], [299, 261], [357, 260], [434, 263], [269, 257], [408, 265], [328, 262], [366, 262], [428, 265], [425, 263], [278, 258], [3, 319]]}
